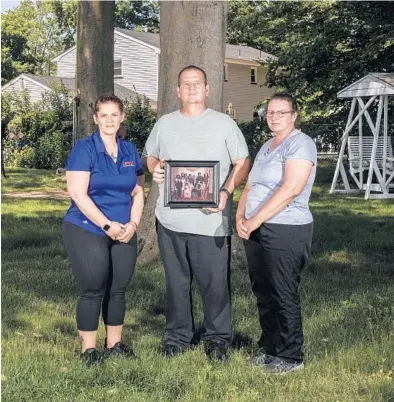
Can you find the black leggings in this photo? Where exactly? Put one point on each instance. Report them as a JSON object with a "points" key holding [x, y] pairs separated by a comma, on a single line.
{"points": [[102, 268]]}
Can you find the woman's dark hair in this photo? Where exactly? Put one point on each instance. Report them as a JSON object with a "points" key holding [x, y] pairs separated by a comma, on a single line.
{"points": [[287, 97], [111, 98]]}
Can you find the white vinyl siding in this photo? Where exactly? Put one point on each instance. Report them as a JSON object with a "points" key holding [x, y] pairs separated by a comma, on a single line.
{"points": [[36, 91], [241, 94], [66, 65], [139, 66]]}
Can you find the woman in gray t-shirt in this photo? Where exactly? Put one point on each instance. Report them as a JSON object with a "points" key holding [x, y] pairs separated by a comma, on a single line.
{"points": [[274, 219]]}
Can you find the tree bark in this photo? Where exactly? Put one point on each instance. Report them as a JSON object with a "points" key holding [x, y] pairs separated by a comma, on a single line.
{"points": [[95, 58], [191, 33]]}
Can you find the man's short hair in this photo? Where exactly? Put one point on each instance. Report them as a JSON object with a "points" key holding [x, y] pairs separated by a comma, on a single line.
{"points": [[191, 67]]}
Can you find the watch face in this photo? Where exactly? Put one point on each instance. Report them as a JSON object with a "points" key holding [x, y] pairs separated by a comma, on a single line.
{"points": [[106, 227]]}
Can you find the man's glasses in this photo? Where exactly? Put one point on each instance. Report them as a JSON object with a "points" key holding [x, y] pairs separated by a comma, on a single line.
{"points": [[278, 113]]}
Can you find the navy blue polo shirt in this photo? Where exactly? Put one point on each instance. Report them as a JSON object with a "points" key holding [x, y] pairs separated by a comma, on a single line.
{"points": [[110, 184]]}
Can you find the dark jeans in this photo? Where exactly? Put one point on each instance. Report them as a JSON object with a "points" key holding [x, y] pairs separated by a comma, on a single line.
{"points": [[102, 268], [276, 255], [207, 258]]}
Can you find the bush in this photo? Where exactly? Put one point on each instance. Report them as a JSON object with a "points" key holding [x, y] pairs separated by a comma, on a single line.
{"points": [[24, 157], [256, 133], [139, 120], [52, 150], [44, 127]]}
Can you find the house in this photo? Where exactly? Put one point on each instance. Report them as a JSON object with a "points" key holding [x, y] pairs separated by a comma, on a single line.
{"points": [[37, 85], [136, 68]]}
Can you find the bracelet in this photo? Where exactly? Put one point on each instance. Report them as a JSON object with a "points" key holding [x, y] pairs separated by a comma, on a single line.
{"points": [[225, 191]]}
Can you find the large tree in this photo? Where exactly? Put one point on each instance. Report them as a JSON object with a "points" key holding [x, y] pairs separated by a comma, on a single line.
{"points": [[191, 32], [95, 58]]}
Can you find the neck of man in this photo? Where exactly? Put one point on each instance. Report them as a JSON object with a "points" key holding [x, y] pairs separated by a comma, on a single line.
{"points": [[193, 109]]}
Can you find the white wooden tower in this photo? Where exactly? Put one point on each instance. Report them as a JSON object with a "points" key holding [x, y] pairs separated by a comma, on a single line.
{"points": [[368, 153]]}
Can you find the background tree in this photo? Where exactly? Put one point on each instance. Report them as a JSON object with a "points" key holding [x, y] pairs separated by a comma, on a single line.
{"points": [[33, 34], [95, 58], [321, 47], [190, 33], [137, 15]]}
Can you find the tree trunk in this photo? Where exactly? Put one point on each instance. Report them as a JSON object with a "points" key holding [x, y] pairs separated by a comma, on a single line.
{"points": [[191, 32], [95, 58]]}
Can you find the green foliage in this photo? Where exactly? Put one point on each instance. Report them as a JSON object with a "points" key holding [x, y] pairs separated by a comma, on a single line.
{"points": [[321, 47], [33, 34], [139, 120], [24, 157], [37, 134], [52, 150], [137, 15], [256, 133]]}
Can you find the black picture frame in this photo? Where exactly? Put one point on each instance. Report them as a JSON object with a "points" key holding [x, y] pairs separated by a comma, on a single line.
{"points": [[199, 193]]}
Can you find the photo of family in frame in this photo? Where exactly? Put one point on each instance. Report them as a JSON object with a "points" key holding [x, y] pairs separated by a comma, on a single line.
{"points": [[191, 184]]}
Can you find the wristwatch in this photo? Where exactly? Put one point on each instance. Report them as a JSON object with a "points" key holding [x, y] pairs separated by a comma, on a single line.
{"points": [[226, 191], [107, 226]]}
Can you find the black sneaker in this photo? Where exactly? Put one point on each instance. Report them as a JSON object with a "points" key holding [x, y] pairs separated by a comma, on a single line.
{"points": [[92, 356], [120, 350], [216, 351], [280, 366], [260, 358], [171, 350]]}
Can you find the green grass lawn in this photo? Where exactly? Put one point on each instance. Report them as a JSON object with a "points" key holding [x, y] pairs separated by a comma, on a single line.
{"points": [[347, 299]]}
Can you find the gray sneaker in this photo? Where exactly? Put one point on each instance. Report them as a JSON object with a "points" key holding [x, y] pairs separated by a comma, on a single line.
{"points": [[280, 366], [260, 358]]}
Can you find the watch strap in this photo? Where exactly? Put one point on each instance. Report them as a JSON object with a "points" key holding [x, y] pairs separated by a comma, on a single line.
{"points": [[225, 191]]}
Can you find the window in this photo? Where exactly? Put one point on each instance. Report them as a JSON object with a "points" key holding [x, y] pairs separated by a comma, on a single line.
{"points": [[225, 71], [118, 68], [253, 75]]}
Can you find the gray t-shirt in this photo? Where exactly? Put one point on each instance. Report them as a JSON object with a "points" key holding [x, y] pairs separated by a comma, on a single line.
{"points": [[268, 173], [208, 136]]}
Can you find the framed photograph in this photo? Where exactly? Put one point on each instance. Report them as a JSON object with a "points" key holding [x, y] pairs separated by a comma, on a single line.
{"points": [[191, 184]]}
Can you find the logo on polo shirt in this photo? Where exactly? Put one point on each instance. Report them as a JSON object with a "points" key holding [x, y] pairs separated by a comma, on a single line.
{"points": [[128, 163]]}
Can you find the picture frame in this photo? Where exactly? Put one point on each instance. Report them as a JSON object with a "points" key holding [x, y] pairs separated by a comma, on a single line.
{"points": [[191, 184]]}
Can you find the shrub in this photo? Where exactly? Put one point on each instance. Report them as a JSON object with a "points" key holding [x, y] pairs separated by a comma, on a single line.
{"points": [[256, 133], [24, 157], [139, 120], [52, 150], [44, 127]]}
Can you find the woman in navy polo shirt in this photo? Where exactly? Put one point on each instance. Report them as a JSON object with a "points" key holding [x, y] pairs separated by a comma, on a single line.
{"points": [[105, 180]]}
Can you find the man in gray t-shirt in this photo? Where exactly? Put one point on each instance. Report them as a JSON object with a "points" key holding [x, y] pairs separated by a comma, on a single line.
{"points": [[195, 242]]}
